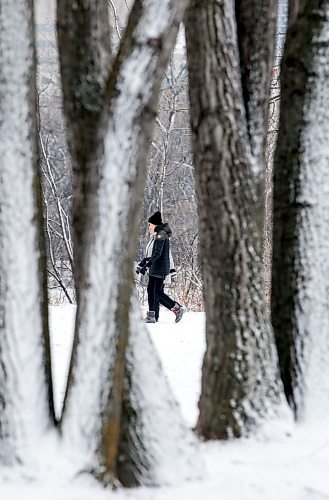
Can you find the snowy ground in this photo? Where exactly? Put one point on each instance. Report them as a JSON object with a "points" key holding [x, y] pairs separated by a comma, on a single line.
{"points": [[285, 462]]}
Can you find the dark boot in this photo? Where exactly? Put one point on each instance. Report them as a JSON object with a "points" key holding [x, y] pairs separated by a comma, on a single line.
{"points": [[150, 317], [178, 311]]}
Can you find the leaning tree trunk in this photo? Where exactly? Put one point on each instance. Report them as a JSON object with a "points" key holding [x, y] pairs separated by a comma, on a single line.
{"points": [[300, 308], [239, 378], [101, 423], [26, 407]]}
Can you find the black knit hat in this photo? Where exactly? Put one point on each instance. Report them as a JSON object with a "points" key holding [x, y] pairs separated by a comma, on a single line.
{"points": [[155, 219]]}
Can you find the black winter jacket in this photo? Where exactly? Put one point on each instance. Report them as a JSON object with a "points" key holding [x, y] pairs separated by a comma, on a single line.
{"points": [[159, 262]]}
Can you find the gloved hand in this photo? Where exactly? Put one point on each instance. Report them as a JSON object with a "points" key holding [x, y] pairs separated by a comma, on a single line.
{"points": [[173, 274], [141, 270], [143, 262]]}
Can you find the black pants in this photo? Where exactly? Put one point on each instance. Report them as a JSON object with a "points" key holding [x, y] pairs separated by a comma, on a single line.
{"points": [[156, 295]]}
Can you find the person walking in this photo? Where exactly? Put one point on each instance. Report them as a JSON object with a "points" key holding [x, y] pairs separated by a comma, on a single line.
{"points": [[157, 263]]}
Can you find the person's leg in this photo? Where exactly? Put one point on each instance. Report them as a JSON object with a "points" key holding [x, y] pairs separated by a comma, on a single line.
{"points": [[156, 307], [166, 301], [151, 292], [150, 318], [163, 298], [157, 304]]}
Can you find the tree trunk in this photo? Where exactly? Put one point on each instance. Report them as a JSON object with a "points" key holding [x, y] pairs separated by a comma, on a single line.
{"points": [[155, 446], [239, 376], [26, 407], [256, 24], [85, 59], [294, 7], [300, 225], [102, 328]]}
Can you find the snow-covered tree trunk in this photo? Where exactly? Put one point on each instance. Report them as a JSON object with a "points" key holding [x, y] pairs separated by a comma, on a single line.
{"points": [[101, 423], [26, 408], [239, 379], [300, 308], [155, 445]]}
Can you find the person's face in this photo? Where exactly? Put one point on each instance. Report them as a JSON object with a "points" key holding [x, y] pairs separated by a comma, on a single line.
{"points": [[151, 228]]}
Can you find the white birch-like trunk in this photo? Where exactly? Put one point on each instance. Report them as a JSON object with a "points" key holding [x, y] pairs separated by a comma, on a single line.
{"points": [[24, 402]]}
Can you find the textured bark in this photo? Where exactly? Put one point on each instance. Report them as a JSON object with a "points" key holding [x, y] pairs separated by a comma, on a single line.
{"points": [[256, 28], [26, 406], [85, 58], [256, 25], [240, 366], [305, 54], [109, 243]]}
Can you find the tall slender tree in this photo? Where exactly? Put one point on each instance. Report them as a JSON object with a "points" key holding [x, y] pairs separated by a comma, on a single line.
{"points": [[228, 117]]}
